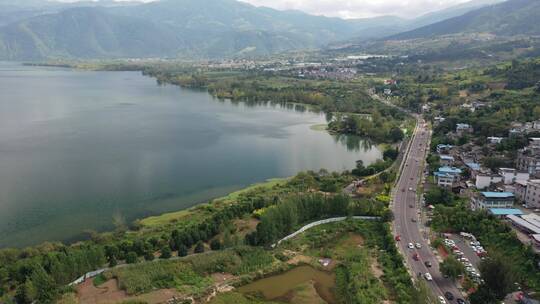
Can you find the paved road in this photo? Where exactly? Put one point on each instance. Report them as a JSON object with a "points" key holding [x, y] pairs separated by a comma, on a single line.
{"points": [[405, 209]]}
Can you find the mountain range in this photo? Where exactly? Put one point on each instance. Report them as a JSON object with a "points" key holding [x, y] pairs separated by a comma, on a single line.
{"points": [[39, 29]]}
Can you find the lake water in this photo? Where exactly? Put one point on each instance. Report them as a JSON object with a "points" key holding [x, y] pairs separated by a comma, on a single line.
{"points": [[78, 148]]}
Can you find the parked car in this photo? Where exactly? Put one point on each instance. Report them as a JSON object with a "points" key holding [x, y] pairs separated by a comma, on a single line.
{"points": [[449, 295], [410, 245], [398, 238], [415, 257], [413, 220], [441, 300], [417, 245], [428, 277], [427, 263], [461, 301]]}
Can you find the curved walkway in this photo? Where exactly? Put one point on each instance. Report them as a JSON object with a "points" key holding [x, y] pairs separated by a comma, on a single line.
{"points": [[326, 221]]}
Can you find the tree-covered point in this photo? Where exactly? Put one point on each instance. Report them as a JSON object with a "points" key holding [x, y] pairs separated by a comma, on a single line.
{"points": [[24, 272]]}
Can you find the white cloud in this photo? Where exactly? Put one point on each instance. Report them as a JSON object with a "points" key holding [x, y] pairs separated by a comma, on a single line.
{"points": [[360, 8]]}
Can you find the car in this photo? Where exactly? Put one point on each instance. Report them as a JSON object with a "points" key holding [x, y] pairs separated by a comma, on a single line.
{"points": [[403, 190], [417, 245], [428, 277], [410, 245], [415, 257], [441, 300], [411, 206], [449, 295], [398, 238], [411, 189], [412, 178], [413, 220], [461, 301], [427, 263]]}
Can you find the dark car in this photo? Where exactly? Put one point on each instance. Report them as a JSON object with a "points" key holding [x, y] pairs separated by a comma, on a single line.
{"points": [[461, 301], [448, 295], [427, 263]]}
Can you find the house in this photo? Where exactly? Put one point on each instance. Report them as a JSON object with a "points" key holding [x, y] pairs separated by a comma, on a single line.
{"points": [[447, 176], [494, 140], [439, 119], [528, 160], [443, 148], [511, 175], [484, 180], [487, 200], [463, 128], [532, 194], [446, 160], [387, 92], [520, 190]]}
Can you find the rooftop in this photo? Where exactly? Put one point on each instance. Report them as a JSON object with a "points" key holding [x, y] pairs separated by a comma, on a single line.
{"points": [[505, 211], [446, 157], [474, 166], [497, 194], [449, 170]]}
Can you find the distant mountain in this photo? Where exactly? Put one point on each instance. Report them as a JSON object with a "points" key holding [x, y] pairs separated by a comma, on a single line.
{"points": [[86, 33], [513, 17], [41, 29]]}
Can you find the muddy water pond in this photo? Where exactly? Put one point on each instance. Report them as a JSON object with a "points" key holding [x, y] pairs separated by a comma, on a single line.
{"points": [[282, 285]]}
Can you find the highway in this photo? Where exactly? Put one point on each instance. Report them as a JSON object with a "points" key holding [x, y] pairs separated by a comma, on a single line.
{"points": [[405, 209]]}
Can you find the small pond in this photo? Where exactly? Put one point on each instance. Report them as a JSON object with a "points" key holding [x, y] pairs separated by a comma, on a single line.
{"points": [[280, 286]]}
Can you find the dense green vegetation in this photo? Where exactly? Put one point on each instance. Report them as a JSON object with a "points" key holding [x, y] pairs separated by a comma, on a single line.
{"points": [[499, 240]]}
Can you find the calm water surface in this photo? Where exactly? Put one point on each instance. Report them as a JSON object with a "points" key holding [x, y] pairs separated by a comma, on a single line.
{"points": [[79, 148]]}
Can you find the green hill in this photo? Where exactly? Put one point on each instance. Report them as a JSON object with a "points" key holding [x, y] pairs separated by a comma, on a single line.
{"points": [[513, 17]]}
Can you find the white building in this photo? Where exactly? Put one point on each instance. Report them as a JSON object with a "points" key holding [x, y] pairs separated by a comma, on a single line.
{"points": [[447, 176], [487, 200], [463, 127], [532, 194], [494, 140], [511, 175], [446, 160], [485, 180]]}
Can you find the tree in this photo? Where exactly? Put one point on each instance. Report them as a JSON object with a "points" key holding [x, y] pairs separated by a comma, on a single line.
{"points": [[498, 275], [182, 250], [165, 252], [131, 257], [199, 248], [215, 244], [452, 268], [396, 134], [149, 255], [45, 287]]}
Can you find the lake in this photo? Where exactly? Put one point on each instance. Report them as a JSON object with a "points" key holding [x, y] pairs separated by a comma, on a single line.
{"points": [[78, 148]]}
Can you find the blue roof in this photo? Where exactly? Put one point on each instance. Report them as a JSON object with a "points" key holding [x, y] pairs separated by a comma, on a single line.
{"points": [[474, 166], [498, 194], [449, 170], [444, 146], [505, 211]]}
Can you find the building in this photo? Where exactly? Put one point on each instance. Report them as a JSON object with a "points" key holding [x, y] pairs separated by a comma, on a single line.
{"points": [[503, 212], [523, 224], [534, 143], [463, 128], [494, 140], [520, 190], [443, 148], [511, 175], [447, 177], [528, 160], [484, 180], [532, 194], [446, 160], [488, 200]]}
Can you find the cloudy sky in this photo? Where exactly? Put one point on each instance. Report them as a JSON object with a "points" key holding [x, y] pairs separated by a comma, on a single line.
{"points": [[360, 8]]}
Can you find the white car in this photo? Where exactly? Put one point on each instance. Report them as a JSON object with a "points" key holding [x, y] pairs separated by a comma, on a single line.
{"points": [[410, 245], [428, 277], [442, 300], [417, 245]]}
